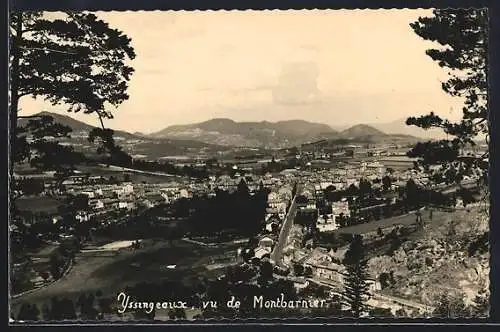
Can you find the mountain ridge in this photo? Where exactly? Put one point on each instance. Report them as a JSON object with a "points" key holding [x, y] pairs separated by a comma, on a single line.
{"points": [[399, 127], [226, 131], [133, 143]]}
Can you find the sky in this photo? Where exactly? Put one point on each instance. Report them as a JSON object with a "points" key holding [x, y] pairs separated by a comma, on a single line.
{"points": [[337, 67]]}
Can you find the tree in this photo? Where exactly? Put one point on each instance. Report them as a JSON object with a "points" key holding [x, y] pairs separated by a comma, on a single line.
{"points": [[463, 36], [28, 312], [451, 306], [301, 199], [331, 188], [57, 59], [266, 272], [308, 272], [56, 265], [385, 280], [365, 187], [61, 309], [44, 151], [106, 145], [177, 313], [481, 306], [381, 312], [352, 190], [76, 59], [412, 192], [298, 269], [356, 288], [30, 186], [86, 305], [243, 189], [386, 183]]}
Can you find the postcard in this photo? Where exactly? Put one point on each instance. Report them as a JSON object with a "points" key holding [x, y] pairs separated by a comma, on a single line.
{"points": [[193, 165]]}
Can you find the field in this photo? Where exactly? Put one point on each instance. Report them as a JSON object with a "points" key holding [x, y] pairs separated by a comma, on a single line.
{"points": [[118, 173], [111, 274], [37, 204]]}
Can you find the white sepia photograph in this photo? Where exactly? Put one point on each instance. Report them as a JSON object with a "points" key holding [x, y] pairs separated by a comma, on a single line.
{"points": [[172, 166]]}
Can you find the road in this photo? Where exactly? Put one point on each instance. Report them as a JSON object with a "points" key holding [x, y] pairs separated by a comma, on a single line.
{"points": [[126, 169], [277, 254], [388, 300]]}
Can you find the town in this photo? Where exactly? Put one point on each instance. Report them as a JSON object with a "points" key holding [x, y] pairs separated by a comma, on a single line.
{"points": [[300, 219]]}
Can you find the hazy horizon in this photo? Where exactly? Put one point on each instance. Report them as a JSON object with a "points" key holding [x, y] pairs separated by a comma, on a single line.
{"points": [[336, 67]]}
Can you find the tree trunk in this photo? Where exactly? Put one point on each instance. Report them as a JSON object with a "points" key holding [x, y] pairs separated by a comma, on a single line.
{"points": [[100, 119], [14, 88]]}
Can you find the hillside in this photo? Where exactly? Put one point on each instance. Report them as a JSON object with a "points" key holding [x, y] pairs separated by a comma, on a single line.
{"points": [[400, 127], [263, 134], [441, 257], [75, 125], [361, 130], [134, 144]]}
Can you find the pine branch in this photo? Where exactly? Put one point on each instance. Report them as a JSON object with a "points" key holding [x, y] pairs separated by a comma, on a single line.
{"points": [[46, 50]]}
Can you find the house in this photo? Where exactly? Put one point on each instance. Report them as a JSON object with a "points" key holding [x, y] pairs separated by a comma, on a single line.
{"points": [[126, 205], [37, 281], [300, 284], [82, 216], [96, 204], [96, 179], [89, 194], [184, 193], [108, 194], [285, 193], [272, 225], [110, 203], [127, 188], [311, 205], [170, 195], [333, 272], [261, 252], [153, 200], [326, 227], [341, 207], [165, 197], [266, 242], [272, 197], [373, 285]]}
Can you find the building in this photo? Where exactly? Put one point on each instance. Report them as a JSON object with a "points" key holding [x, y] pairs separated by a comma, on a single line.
{"points": [[340, 207], [153, 200], [260, 252], [126, 205], [266, 242], [397, 162]]}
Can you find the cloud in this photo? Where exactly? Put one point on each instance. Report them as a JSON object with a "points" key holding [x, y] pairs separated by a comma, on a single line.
{"points": [[298, 85], [256, 88], [309, 47]]}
